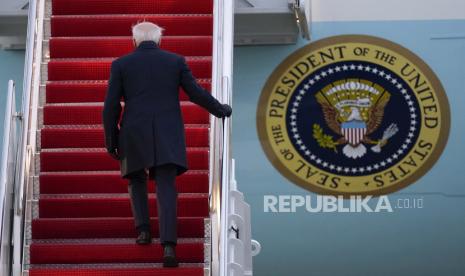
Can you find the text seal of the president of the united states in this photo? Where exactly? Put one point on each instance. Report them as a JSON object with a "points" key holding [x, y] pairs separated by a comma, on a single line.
{"points": [[353, 115]]}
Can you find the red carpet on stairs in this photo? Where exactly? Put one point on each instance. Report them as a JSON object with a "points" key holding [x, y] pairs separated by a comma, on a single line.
{"points": [[84, 224], [181, 271], [89, 114], [193, 181], [99, 69], [67, 7], [92, 137], [110, 251], [120, 25], [95, 47], [106, 227], [76, 206], [90, 91]]}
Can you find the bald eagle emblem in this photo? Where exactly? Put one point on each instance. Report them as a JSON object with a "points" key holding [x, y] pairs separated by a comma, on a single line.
{"points": [[354, 110]]}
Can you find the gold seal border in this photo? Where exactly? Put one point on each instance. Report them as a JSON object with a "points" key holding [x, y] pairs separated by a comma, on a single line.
{"points": [[287, 63]]}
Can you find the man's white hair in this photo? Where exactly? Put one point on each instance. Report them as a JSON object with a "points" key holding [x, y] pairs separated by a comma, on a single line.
{"points": [[146, 31]]}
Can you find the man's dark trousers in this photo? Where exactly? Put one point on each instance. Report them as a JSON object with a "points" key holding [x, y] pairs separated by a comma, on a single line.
{"points": [[165, 176]]}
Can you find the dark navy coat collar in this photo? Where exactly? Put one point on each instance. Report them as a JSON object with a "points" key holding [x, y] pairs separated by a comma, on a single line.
{"points": [[147, 44]]}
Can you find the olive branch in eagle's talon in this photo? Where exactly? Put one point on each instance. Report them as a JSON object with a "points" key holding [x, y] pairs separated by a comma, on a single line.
{"points": [[324, 140]]}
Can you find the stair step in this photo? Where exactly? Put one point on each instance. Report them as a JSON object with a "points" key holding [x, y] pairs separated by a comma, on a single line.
{"points": [[66, 7], [107, 205], [85, 224], [111, 182], [91, 114], [120, 25], [110, 251], [78, 228], [92, 137], [93, 47], [99, 160], [91, 91], [129, 270], [99, 69]]}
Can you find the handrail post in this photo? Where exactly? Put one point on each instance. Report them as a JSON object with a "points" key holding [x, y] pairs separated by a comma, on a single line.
{"points": [[215, 181], [220, 132], [27, 140], [7, 180]]}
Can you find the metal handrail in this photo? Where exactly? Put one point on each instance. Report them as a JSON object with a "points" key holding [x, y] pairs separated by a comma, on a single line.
{"points": [[8, 117], [225, 187], [31, 77], [27, 141], [7, 178], [214, 198], [220, 154]]}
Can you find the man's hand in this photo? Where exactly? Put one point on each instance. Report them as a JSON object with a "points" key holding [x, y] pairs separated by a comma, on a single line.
{"points": [[227, 110], [222, 111], [114, 153]]}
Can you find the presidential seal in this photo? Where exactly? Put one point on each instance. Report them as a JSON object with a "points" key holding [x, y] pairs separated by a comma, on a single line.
{"points": [[353, 115]]}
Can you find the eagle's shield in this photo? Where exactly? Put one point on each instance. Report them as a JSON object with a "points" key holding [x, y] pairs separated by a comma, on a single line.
{"points": [[354, 131]]}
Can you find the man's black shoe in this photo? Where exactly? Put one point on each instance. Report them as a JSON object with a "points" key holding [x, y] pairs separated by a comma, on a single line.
{"points": [[169, 256], [144, 238]]}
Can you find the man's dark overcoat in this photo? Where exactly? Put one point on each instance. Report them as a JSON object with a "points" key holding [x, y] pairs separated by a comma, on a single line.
{"points": [[151, 130]]}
